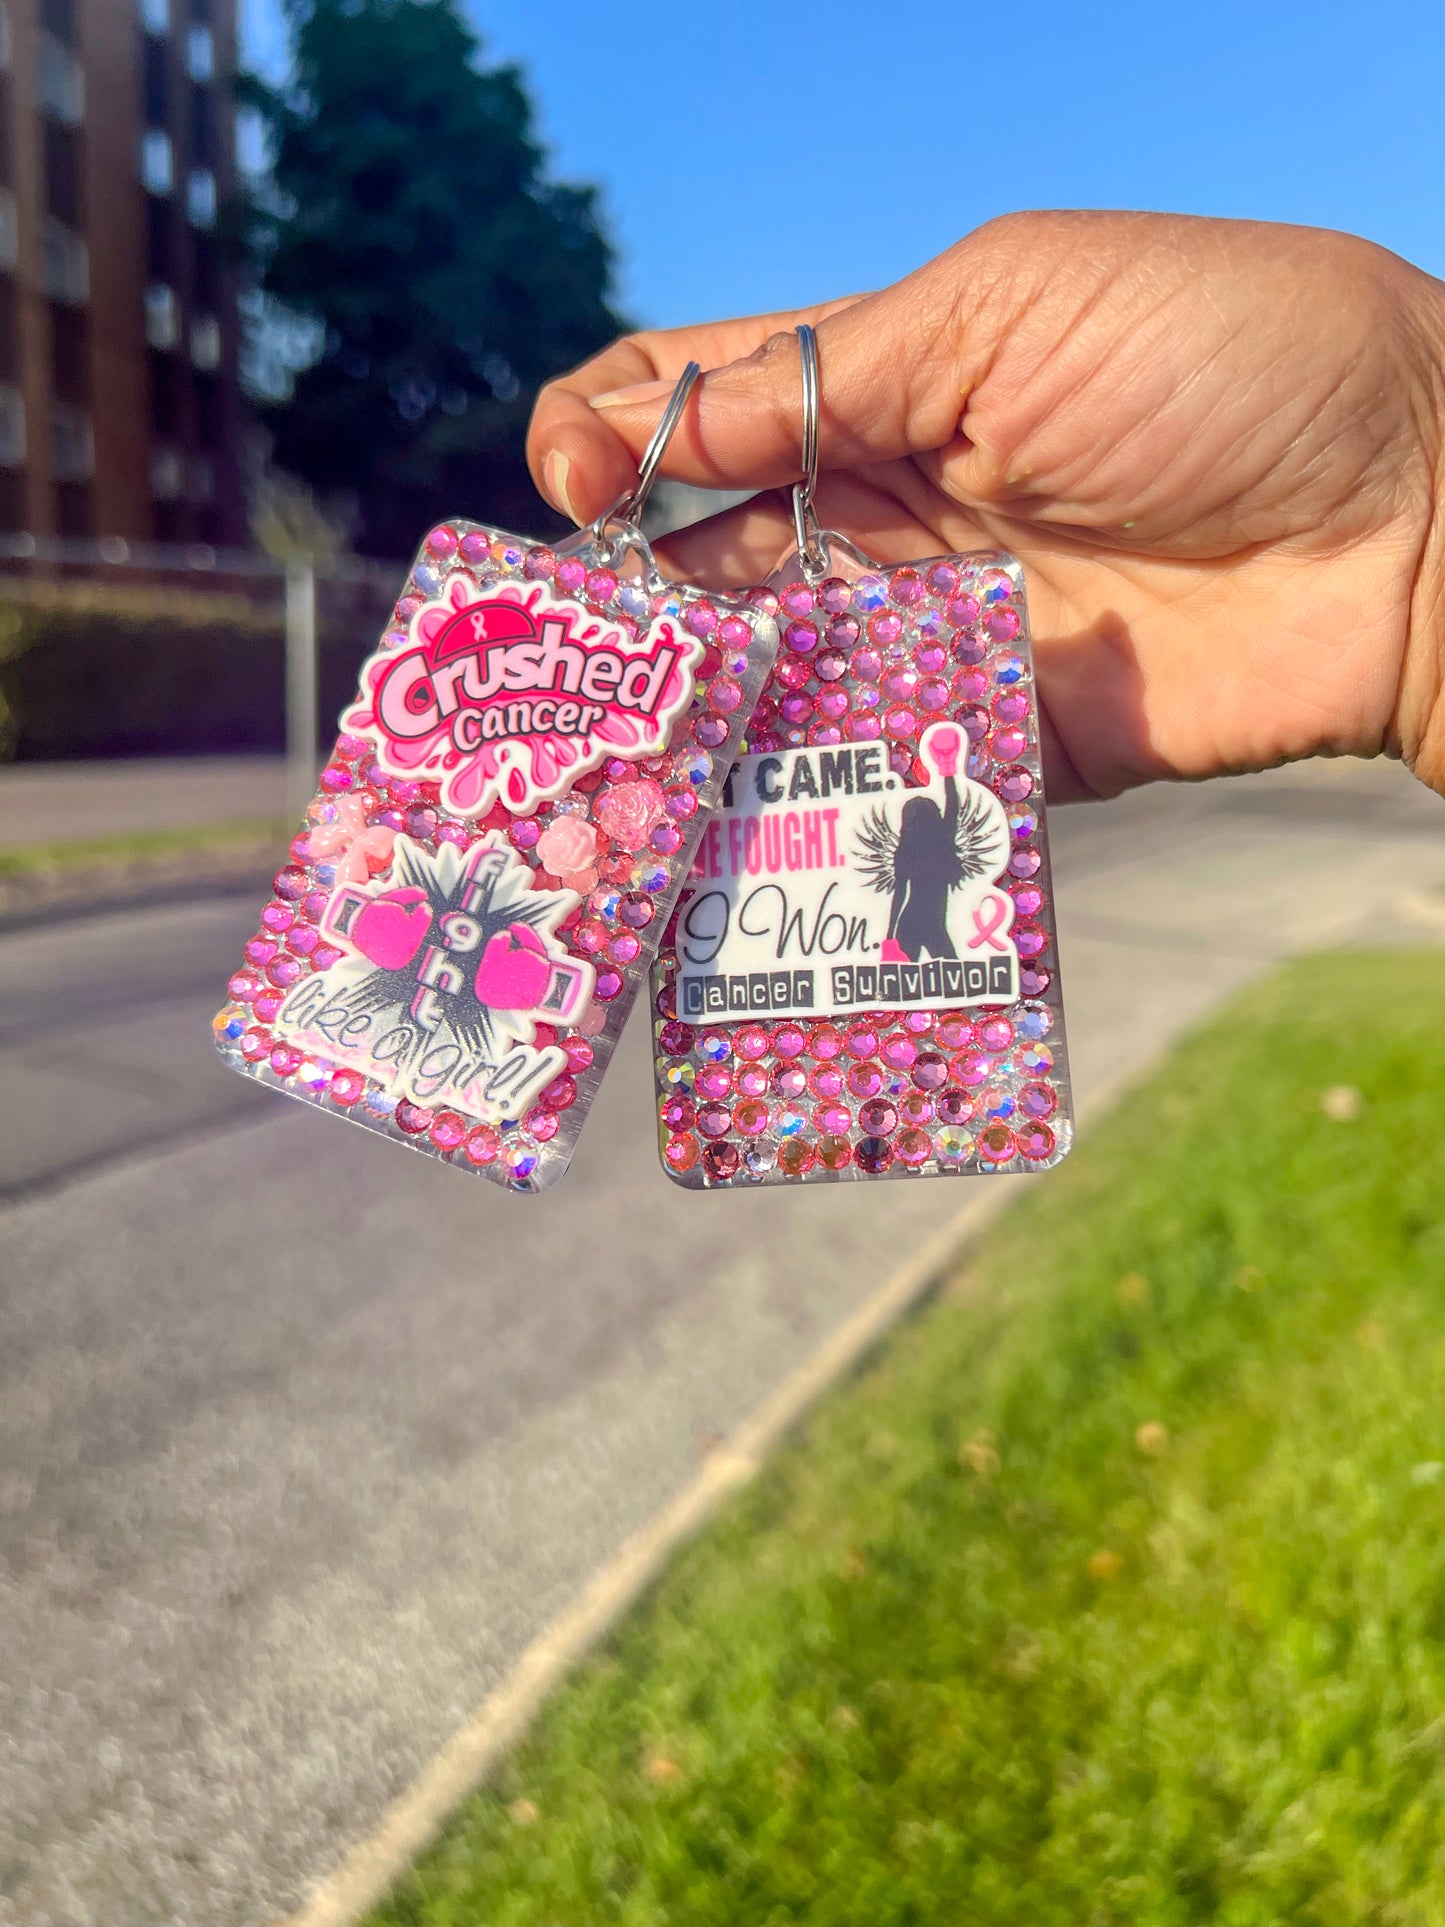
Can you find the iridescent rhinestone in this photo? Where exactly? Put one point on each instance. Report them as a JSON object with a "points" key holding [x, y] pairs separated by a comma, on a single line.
{"points": [[789, 1123], [869, 592], [952, 1145]]}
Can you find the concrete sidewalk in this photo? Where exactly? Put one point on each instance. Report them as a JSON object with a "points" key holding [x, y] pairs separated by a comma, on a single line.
{"points": [[69, 802]]}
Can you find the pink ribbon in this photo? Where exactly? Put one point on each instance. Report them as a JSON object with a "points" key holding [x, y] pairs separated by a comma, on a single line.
{"points": [[997, 909]]}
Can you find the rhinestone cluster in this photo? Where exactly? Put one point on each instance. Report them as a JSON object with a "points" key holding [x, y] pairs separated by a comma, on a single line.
{"points": [[621, 837], [879, 656]]}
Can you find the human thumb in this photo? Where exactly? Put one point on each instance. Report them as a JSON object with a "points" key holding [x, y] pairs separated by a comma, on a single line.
{"points": [[890, 386]]}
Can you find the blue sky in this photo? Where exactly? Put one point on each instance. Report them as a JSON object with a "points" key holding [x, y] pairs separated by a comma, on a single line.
{"points": [[767, 153]]}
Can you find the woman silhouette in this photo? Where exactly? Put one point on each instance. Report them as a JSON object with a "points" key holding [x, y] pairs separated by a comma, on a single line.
{"points": [[927, 865]]}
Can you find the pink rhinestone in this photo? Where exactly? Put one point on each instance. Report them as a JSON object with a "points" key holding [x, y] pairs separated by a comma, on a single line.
{"points": [[930, 1072], [449, 1130], [601, 585], [681, 1153], [560, 1094], [714, 1120], [1010, 705], [579, 1054], [878, 1117], [540, 1123], [1036, 1141], [826, 1081], [1005, 744], [835, 594], [866, 1079], [721, 1161], [860, 1042], [284, 1059], [1030, 941], [347, 1087], [1023, 863], [996, 1144], [913, 1147], [899, 1052], [750, 1041], [790, 1081], [267, 1003], [906, 588], [789, 1040], [750, 1117], [915, 1108], [678, 1113], [751, 1081], [955, 1107], [734, 633], [700, 619], [995, 1033], [256, 1044], [943, 578], [278, 916], [798, 599], [962, 611], [953, 1031], [1002, 624], [901, 722], [482, 1145], [866, 664], [714, 1081], [899, 683], [885, 628], [1038, 1101]]}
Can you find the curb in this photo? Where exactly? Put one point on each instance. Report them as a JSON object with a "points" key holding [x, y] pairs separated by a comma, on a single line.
{"points": [[414, 1819]]}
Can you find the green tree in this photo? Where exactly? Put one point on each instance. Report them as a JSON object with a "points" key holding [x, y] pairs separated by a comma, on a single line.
{"points": [[409, 220]]}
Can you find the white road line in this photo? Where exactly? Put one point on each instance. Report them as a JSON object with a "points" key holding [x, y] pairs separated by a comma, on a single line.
{"points": [[413, 1820]]}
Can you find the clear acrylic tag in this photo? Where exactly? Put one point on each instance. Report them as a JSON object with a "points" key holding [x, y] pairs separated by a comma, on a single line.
{"points": [[861, 978], [451, 952]]}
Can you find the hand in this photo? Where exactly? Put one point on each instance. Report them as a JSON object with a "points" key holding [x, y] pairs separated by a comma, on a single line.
{"points": [[1214, 445]]}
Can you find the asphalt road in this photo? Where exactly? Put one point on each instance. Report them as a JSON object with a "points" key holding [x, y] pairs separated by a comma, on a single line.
{"points": [[303, 1438]]}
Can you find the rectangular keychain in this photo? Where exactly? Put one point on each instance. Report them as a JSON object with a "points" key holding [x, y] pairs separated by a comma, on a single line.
{"points": [[497, 840], [861, 977]]}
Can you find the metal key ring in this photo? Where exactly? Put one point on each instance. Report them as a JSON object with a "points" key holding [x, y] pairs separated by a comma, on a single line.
{"points": [[628, 508], [812, 543]]}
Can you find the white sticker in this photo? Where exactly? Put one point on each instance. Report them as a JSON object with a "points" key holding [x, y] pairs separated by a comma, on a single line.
{"points": [[826, 885]]}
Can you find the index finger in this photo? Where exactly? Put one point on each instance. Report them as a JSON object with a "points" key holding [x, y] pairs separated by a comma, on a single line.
{"points": [[578, 461]]}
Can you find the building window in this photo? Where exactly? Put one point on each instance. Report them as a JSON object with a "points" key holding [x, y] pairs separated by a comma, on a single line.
{"points": [[157, 169], [201, 197], [72, 444], [163, 316], [9, 230], [12, 427], [153, 82], [200, 55], [155, 16], [168, 474], [59, 81], [63, 173], [65, 263], [206, 341], [70, 355]]}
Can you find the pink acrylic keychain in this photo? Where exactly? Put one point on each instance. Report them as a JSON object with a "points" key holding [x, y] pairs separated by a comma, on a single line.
{"points": [[861, 978], [499, 835]]}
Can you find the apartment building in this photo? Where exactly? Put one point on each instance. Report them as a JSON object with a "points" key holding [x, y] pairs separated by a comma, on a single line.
{"points": [[120, 412]]}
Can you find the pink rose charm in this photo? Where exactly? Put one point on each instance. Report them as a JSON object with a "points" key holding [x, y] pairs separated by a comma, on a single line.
{"points": [[568, 847], [629, 812]]}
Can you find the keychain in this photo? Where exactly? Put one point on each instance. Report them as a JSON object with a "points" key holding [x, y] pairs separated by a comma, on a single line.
{"points": [[861, 977], [498, 837]]}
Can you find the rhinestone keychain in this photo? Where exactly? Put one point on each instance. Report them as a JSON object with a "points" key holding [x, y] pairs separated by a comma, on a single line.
{"points": [[861, 976], [498, 837]]}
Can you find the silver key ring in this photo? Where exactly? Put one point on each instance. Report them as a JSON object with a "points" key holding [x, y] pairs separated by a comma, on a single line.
{"points": [[812, 543], [628, 508]]}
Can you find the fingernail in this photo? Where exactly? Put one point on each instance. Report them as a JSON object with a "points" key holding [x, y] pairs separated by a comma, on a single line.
{"points": [[556, 473], [640, 393]]}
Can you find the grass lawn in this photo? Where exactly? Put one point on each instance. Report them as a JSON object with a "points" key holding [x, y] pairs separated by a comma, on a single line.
{"points": [[1114, 1592], [141, 846]]}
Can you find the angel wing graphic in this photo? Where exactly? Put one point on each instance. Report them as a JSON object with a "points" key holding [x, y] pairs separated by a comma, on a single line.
{"points": [[948, 847]]}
